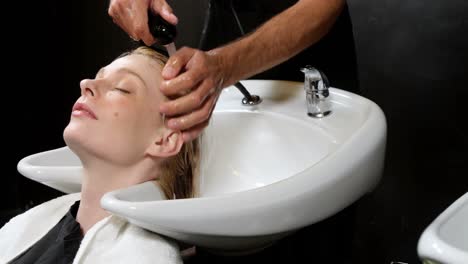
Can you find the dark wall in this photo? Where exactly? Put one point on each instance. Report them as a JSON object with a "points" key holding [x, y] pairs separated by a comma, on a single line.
{"points": [[412, 61]]}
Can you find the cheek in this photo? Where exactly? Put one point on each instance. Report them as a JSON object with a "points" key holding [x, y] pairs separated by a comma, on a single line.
{"points": [[133, 115], [118, 107], [125, 115], [125, 118]]}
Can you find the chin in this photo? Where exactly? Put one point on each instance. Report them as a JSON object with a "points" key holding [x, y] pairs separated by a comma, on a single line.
{"points": [[85, 144], [75, 139]]}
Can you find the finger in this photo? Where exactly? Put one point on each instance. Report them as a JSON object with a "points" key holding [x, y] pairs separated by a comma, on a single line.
{"points": [[132, 18], [114, 9], [181, 85], [119, 16], [162, 8], [193, 133], [140, 30], [177, 63], [189, 102], [122, 26], [190, 120]]}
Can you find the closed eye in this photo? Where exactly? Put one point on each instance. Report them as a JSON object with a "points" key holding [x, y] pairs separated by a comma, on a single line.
{"points": [[122, 90]]}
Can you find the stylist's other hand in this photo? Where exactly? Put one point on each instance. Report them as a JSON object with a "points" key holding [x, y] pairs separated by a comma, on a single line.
{"points": [[194, 79], [132, 16]]}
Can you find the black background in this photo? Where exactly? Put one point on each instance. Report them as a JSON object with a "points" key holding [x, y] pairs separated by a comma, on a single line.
{"points": [[412, 61]]}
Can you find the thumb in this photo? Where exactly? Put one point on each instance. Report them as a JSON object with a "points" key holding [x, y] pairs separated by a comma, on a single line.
{"points": [[177, 63]]}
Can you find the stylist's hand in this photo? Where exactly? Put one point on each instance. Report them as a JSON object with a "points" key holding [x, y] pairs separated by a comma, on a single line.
{"points": [[195, 79], [132, 16]]}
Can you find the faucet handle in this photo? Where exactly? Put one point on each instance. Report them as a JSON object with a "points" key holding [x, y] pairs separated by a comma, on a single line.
{"points": [[315, 81], [326, 83]]}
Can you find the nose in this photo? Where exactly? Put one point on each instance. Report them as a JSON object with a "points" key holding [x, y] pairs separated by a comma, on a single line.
{"points": [[88, 87]]}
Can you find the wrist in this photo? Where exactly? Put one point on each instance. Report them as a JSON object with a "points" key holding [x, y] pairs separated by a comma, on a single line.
{"points": [[225, 66]]}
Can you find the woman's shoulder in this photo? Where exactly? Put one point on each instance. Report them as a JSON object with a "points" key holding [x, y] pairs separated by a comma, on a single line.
{"points": [[57, 205], [125, 242], [25, 229]]}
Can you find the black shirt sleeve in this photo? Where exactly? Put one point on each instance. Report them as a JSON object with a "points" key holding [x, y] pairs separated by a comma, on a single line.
{"points": [[59, 245]]}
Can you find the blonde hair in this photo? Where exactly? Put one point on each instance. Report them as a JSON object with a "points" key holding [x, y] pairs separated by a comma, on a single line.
{"points": [[179, 174]]}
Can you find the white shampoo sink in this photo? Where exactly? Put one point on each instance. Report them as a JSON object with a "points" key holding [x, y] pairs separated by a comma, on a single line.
{"points": [[445, 240], [267, 170]]}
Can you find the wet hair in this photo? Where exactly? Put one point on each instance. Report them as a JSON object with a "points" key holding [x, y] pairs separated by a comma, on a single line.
{"points": [[178, 174]]}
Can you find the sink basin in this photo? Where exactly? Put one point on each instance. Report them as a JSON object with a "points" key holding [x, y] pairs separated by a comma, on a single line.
{"points": [[58, 168], [445, 240], [267, 170]]}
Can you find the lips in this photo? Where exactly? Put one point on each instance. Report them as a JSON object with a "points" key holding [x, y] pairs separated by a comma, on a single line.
{"points": [[81, 109]]}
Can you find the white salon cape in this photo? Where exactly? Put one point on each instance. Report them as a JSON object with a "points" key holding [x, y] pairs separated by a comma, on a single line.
{"points": [[111, 240]]}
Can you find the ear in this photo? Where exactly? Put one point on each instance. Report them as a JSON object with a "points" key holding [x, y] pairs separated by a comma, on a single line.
{"points": [[167, 144]]}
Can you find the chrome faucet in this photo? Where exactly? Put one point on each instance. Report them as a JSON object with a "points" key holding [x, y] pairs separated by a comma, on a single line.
{"points": [[317, 95]]}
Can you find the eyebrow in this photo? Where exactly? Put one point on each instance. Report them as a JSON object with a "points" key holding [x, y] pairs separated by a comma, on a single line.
{"points": [[126, 70]]}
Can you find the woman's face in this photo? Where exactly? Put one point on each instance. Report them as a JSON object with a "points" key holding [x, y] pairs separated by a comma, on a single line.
{"points": [[117, 118]]}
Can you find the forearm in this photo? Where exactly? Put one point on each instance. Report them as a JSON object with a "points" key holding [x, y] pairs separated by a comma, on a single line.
{"points": [[278, 39]]}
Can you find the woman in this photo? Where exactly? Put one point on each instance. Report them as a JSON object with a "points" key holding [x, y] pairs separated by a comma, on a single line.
{"points": [[120, 137]]}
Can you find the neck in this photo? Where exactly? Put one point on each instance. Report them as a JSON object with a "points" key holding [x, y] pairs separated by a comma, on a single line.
{"points": [[102, 177]]}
